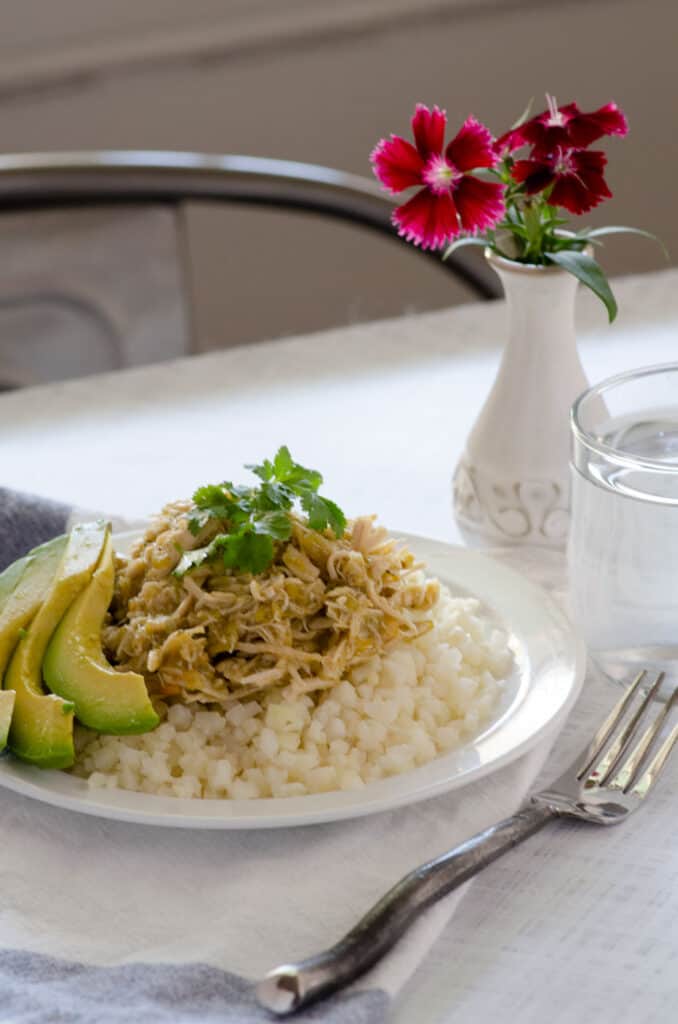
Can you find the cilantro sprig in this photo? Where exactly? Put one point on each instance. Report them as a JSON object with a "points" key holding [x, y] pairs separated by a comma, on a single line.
{"points": [[254, 518]]}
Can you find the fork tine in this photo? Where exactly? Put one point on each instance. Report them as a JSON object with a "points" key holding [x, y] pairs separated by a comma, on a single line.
{"points": [[630, 770], [653, 771], [598, 742], [607, 767]]}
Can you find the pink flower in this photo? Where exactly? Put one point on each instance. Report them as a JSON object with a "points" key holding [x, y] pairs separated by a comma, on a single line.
{"points": [[509, 141], [575, 174], [451, 200], [564, 127]]}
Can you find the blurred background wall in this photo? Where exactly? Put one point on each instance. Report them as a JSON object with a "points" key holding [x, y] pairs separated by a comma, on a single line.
{"points": [[321, 81]]}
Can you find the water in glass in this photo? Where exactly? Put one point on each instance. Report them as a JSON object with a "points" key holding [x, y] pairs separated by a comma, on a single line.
{"points": [[623, 549]]}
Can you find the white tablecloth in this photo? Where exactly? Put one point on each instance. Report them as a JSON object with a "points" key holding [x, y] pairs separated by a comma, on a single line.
{"points": [[383, 410]]}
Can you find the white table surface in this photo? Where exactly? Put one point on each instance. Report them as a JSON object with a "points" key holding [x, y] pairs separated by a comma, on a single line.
{"points": [[382, 410]]}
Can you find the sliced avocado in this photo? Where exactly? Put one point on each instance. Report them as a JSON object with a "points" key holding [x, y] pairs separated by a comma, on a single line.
{"points": [[6, 709], [23, 586], [8, 581], [32, 575], [11, 576], [76, 669], [42, 724]]}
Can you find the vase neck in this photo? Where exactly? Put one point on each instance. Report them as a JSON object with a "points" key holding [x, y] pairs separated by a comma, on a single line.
{"points": [[541, 305]]}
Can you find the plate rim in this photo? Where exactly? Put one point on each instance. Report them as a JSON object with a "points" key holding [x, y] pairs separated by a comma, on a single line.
{"points": [[286, 812]]}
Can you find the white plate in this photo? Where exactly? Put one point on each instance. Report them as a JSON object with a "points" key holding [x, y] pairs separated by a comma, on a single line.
{"points": [[548, 672]]}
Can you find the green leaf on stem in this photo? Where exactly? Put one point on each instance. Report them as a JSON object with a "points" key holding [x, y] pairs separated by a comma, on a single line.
{"points": [[533, 226], [590, 273], [616, 229], [524, 116], [574, 243]]}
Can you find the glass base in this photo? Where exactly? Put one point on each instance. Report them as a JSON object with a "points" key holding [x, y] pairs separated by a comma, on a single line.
{"points": [[622, 665]]}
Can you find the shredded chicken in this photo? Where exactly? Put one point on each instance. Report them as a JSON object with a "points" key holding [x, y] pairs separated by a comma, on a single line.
{"points": [[215, 635]]}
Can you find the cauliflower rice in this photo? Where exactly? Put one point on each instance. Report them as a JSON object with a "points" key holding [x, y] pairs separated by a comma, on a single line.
{"points": [[421, 698]]}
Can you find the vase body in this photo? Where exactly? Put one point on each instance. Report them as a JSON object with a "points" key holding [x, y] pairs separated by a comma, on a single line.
{"points": [[512, 483]]}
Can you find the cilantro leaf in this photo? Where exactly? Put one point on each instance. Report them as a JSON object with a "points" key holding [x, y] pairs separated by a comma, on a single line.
{"points": [[302, 478], [323, 513], [249, 552], [275, 496], [252, 519], [191, 560], [264, 471], [197, 520], [284, 470], [212, 502], [273, 524], [239, 493], [228, 549], [282, 463], [210, 494], [287, 471]]}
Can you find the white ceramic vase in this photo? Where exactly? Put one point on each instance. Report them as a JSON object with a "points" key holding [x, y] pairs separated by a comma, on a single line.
{"points": [[512, 483]]}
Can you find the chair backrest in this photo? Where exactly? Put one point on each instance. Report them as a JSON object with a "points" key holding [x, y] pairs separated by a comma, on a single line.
{"points": [[69, 185], [74, 299]]}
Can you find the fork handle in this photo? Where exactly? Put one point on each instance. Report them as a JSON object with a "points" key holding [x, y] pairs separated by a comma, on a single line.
{"points": [[292, 986]]}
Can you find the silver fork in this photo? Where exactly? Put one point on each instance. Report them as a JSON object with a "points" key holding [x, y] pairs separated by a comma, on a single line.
{"points": [[605, 784]]}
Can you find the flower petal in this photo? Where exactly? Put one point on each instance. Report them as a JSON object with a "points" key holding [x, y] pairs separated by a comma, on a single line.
{"points": [[428, 127], [548, 131], [592, 160], [471, 147], [397, 164], [524, 169], [428, 220], [571, 192], [567, 113], [586, 128], [545, 138], [510, 141], [534, 173], [480, 203], [589, 166]]}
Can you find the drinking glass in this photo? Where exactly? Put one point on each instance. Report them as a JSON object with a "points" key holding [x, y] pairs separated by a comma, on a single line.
{"points": [[623, 545]]}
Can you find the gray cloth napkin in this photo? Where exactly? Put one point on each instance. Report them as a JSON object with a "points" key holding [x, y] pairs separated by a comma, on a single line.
{"points": [[36, 989], [26, 521]]}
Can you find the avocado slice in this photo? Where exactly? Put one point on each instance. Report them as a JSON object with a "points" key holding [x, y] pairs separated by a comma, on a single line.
{"points": [[8, 580], [6, 709], [76, 669], [11, 576], [41, 731], [23, 586]]}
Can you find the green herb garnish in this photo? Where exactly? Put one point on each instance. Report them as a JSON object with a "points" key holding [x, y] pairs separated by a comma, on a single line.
{"points": [[255, 517]]}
